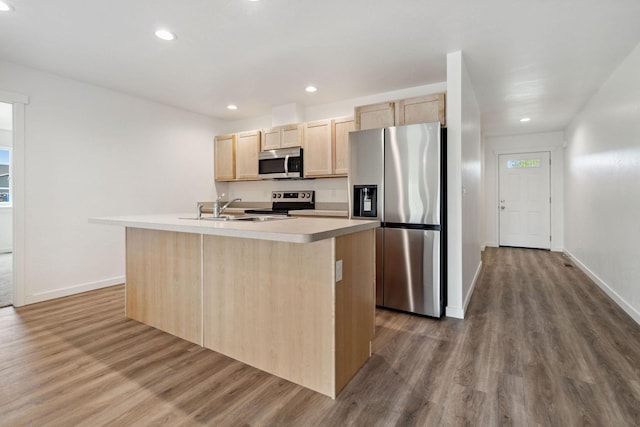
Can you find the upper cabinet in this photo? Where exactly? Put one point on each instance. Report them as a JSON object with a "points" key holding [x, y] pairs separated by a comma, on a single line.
{"points": [[421, 109], [236, 156], [340, 129], [375, 116], [224, 157], [325, 147], [248, 147], [288, 136], [325, 142], [317, 148]]}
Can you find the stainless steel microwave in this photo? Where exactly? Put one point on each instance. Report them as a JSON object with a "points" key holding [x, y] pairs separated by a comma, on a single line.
{"points": [[282, 163]]}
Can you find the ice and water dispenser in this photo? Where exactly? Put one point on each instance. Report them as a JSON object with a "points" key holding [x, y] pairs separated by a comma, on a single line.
{"points": [[365, 201]]}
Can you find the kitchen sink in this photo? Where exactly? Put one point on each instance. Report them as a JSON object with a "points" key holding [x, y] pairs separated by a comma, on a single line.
{"points": [[261, 218], [211, 218]]}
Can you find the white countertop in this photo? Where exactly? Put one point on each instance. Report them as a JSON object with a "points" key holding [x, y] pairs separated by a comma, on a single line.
{"points": [[292, 229]]}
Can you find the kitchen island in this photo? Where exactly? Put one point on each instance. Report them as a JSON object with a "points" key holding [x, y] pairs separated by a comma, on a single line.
{"points": [[294, 297]]}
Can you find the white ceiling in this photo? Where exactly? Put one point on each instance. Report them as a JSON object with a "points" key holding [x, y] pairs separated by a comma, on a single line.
{"points": [[537, 58]]}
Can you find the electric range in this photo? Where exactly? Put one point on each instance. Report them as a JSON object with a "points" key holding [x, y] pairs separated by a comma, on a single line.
{"points": [[284, 201]]}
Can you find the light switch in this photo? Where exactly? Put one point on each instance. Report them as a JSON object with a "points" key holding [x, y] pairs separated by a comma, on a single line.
{"points": [[338, 270]]}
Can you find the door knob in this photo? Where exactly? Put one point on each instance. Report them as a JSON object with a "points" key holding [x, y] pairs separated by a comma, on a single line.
{"points": [[502, 207]]}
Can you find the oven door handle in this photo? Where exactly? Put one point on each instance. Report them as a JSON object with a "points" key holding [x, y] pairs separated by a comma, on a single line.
{"points": [[286, 164]]}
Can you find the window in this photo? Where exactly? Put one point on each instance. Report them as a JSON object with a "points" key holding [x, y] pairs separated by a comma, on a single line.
{"points": [[5, 170], [517, 164]]}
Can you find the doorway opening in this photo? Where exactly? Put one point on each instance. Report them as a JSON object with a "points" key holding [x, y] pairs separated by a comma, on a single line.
{"points": [[525, 200], [7, 296]]}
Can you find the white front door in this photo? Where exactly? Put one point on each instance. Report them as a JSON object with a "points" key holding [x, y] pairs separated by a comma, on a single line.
{"points": [[525, 200]]}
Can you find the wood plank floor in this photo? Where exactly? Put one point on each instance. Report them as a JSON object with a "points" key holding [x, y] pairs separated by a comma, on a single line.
{"points": [[541, 345]]}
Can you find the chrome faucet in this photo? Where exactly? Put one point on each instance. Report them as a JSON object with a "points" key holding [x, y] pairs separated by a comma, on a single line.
{"points": [[217, 209]]}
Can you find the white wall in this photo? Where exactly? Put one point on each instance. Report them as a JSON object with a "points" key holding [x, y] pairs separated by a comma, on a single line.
{"points": [[464, 179], [94, 152], [602, 191], [493, 147], [6, 213]]}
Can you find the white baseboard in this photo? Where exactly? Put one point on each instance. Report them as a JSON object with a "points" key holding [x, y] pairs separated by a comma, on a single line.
{"points": [[457, 312], [490, 245], [72, 290], [473, 286], [635, 314]]}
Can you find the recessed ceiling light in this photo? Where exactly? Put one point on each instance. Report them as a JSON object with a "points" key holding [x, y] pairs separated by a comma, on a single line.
{"points": [[232, 107], [165, 35], [311, 89], [525, 119], [4, 7]]}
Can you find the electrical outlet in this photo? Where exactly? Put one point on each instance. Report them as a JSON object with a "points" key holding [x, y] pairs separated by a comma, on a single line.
{"points": [[338, 270]]}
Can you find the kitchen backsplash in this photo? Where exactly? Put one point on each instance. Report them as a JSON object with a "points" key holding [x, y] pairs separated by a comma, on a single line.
{"points": [[328, 190]]}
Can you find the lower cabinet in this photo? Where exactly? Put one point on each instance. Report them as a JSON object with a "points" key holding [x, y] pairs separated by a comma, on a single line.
{"points": [[282, 310], [164, 281], [277, 306]]}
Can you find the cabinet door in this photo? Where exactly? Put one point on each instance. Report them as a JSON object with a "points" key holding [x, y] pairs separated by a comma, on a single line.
{"points": [[341, 128], [317, 148], [422, 109], [375, 116], [247, 149], [292, 136], [224, 157], [270, 139]]}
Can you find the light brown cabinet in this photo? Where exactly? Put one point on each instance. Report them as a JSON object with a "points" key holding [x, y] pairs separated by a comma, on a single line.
{"points": [[375, 116], [340, 129], [288, 136], [224, 157], [247, 149], [317, 148], [326, 147], [421, 109], [236, 156]]}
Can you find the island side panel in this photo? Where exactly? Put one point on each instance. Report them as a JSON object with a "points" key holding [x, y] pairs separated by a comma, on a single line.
{"points": [[270, 305], [355, 303], [163, 285]]}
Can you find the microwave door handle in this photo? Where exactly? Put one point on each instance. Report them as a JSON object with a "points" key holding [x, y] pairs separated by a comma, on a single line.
{"points": [[286, 165]]}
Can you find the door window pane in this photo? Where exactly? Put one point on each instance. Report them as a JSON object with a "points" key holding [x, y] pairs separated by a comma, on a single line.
{"points": [[529, 163]]}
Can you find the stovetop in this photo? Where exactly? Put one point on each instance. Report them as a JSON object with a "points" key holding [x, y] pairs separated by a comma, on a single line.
{"points": [[284, 201]]}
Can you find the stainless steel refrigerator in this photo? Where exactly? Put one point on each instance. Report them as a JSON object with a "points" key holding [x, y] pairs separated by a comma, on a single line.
{"points": [[397, 176]]}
